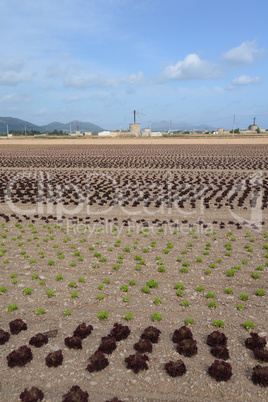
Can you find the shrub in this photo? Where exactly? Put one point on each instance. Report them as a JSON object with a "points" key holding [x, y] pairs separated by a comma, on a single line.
{"points": [[151, 333], [152, 284], [260, 292], [181, 334], [137, 362], [255, 341], [102, 315], [51, 262], [185, 303], [255, 275], [128, 316], [73, 342], [40, 311], [101, 296], [184, 270], [221, 371], [17, 326], [179, 286], [38, 340], [244, 296], [75, 394], [200, 288], [59, 277], [249, 325], [106, 280], [143, 346], [175, 369], [218, 323], [217, 338], [108, 345], [220, 352], [4, 336], [187, 347], [50, 293], [74, 294], [189, 321], [98, 362], [12, 307], [72, 284], [229, 291], [54, 359], [19, 357], [260, 375], [132, 282], [199, 259], [157, 317], [3, 289], [213, 304], [157, 301], [240, 306], [120, 332], [208, 271], [261, 354], [66, 313], [145, 289], [33, 395], [124, 288], [83, 330], [210, 295], [230, 272]]}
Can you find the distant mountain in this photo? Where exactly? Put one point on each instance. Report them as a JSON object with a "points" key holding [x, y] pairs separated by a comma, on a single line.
{"points": [[15, 124], [19, 125], [164, 125]]}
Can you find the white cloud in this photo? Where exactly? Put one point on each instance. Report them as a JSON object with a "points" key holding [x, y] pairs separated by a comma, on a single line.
{"points": [[244, 80], [14, 78], [246, 53], [24, 97], [12, 64], [191, 68], [101, 81]]}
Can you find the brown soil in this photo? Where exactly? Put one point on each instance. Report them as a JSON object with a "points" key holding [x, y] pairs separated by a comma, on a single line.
{"points": [[212, 217]]}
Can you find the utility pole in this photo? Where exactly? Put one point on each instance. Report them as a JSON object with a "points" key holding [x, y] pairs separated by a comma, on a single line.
{"points": [[233, 124], [7, 129], [254, 120], [150, 127], [134, 116]]}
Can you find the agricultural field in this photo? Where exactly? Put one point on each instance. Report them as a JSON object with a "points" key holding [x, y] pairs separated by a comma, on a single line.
{"points": [[141, 266]]}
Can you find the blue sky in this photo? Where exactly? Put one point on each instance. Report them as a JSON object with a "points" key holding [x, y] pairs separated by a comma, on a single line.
{"points": [[98, 60]]}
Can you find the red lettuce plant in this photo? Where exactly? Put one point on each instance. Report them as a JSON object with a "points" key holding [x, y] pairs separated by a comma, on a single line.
{"points": [[19, 357], [187, 347], [108, 345], [261, 354], [137, 362], [143, 346], [220, 370], [175, 369], [75, 394], [151, 333], [221, 352], [54, 359], [181, 334], [17, 326], [83, 330], [38, 340], [98, 362], [120, 332], [4, 336], [217, 338], [255, 341], [33, 395], [260, 375], [73, 342]]}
